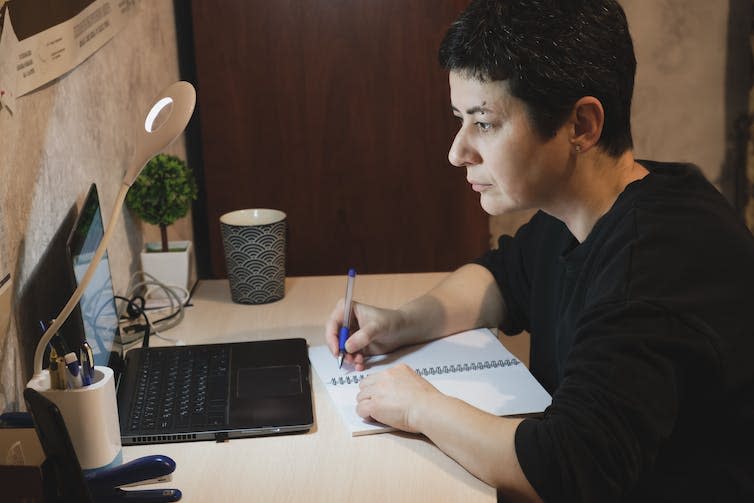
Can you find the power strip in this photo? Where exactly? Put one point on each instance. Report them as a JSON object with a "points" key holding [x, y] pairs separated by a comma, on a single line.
{"points": [[6, 294]]}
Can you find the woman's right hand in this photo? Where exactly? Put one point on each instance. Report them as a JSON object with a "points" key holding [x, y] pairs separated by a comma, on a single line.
{"points": [[374, 331]]}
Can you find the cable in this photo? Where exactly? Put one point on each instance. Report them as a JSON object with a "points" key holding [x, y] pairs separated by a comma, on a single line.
{"points": [[150, 284], [134, 311]]}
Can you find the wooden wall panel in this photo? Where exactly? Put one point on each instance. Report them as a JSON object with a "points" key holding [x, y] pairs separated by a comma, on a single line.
{"points": [[337, 113]]}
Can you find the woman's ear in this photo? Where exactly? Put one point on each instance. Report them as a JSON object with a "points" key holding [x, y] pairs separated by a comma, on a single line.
{"points": [[588, 118]]}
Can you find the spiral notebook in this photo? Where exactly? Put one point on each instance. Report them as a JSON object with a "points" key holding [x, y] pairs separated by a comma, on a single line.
{"points": [[473, 366]]}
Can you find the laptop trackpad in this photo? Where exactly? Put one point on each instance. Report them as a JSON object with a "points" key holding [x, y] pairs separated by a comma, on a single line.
{"points": [[269, 382]]}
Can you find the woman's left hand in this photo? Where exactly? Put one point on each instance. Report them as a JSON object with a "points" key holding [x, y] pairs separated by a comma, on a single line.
{"points": [[396, 397]]}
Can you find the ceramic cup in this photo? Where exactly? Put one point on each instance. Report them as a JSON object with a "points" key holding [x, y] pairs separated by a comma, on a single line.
{"points": [[254, 244]]}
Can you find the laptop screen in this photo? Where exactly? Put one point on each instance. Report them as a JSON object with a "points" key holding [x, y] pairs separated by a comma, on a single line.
{"points": [[97, 310]]}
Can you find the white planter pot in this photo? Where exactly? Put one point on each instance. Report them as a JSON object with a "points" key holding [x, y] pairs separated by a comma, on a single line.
{"points": [[171, 267]]}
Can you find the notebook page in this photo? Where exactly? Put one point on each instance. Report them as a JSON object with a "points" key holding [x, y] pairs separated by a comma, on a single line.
{"points": [[473, 366]]}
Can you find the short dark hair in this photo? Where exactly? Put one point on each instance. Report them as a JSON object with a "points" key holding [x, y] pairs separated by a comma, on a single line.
{"points": [[552, 53]]}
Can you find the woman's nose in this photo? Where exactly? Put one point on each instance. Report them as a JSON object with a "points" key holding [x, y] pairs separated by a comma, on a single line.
{"points": [[461, 154]]}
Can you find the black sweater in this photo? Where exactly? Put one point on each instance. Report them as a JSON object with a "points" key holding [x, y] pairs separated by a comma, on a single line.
{"points": [[644, 335]]}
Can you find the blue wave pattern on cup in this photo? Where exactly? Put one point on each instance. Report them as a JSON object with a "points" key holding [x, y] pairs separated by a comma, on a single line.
{"points": [[255, 259]]}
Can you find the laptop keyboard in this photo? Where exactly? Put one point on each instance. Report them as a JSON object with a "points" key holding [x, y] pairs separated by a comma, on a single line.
{"points": [[181, 390]]}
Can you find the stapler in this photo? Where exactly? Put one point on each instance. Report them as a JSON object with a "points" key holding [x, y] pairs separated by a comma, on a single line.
{"points": [[105, 485]]}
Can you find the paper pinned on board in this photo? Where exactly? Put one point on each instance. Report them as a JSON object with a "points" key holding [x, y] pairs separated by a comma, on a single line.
{"points": [[39, 43]]}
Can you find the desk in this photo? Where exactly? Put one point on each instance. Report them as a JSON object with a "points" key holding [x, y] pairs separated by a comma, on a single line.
{"points": [[325, 464]]}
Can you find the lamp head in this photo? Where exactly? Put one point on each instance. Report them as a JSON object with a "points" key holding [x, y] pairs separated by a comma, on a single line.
{"points": [[166, 119]]}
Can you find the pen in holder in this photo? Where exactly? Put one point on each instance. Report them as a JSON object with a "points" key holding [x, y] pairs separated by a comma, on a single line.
{"points": [[90, 414]]}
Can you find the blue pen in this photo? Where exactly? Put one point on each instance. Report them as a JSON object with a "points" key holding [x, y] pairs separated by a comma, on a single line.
{"points": [[90, 356], [345, 331], [86, 374]]}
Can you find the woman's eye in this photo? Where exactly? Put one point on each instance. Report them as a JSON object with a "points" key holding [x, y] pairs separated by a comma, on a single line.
{"points": [[483, 126]]}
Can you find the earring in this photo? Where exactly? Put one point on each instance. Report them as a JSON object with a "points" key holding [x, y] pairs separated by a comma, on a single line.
{"points": [[578, 148]]}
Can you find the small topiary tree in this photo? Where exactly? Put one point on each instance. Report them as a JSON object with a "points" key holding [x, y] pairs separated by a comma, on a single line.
{"points": [[163, 193]]}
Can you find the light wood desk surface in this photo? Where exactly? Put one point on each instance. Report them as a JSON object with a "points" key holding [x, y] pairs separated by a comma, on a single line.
{"points": [[326, 464]]}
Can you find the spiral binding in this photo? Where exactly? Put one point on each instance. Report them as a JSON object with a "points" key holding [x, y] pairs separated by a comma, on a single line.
{"points": [[438, 370]]}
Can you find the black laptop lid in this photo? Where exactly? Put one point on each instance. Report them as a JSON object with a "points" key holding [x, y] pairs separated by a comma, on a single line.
{"points": [[96, 313]]}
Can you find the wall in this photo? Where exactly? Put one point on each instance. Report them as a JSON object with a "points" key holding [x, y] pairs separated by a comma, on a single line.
{"points": [[691, 62], [62, 137]]}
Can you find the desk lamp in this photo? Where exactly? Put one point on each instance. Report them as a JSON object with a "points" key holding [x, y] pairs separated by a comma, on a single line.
{"points": [[166, 120]]}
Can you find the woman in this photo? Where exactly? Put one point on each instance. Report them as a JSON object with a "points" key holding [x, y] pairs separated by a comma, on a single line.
{"points": [[634, 279]]}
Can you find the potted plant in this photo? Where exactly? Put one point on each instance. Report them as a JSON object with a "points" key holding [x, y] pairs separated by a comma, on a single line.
{"points": [[162, 194]]}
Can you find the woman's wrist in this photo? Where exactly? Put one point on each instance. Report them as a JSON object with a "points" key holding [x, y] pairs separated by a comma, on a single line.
{"points": [[425, 409], [419, 320]]}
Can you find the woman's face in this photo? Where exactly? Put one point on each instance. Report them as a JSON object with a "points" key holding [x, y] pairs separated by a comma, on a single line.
{"points": [[506, 160]]}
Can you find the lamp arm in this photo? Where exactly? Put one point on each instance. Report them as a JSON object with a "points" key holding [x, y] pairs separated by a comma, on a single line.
{"points": [[68, 308], [166, 120]]}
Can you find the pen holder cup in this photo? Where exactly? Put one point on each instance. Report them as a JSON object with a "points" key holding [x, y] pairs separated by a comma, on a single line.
{"points": [[91, 417]]}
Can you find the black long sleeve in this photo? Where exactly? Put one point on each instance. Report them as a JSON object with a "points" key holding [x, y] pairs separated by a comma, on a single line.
{"points": [[644, 334]]}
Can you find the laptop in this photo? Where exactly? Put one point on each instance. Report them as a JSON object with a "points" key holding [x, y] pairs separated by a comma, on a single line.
{"points": [[187, 393]]}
